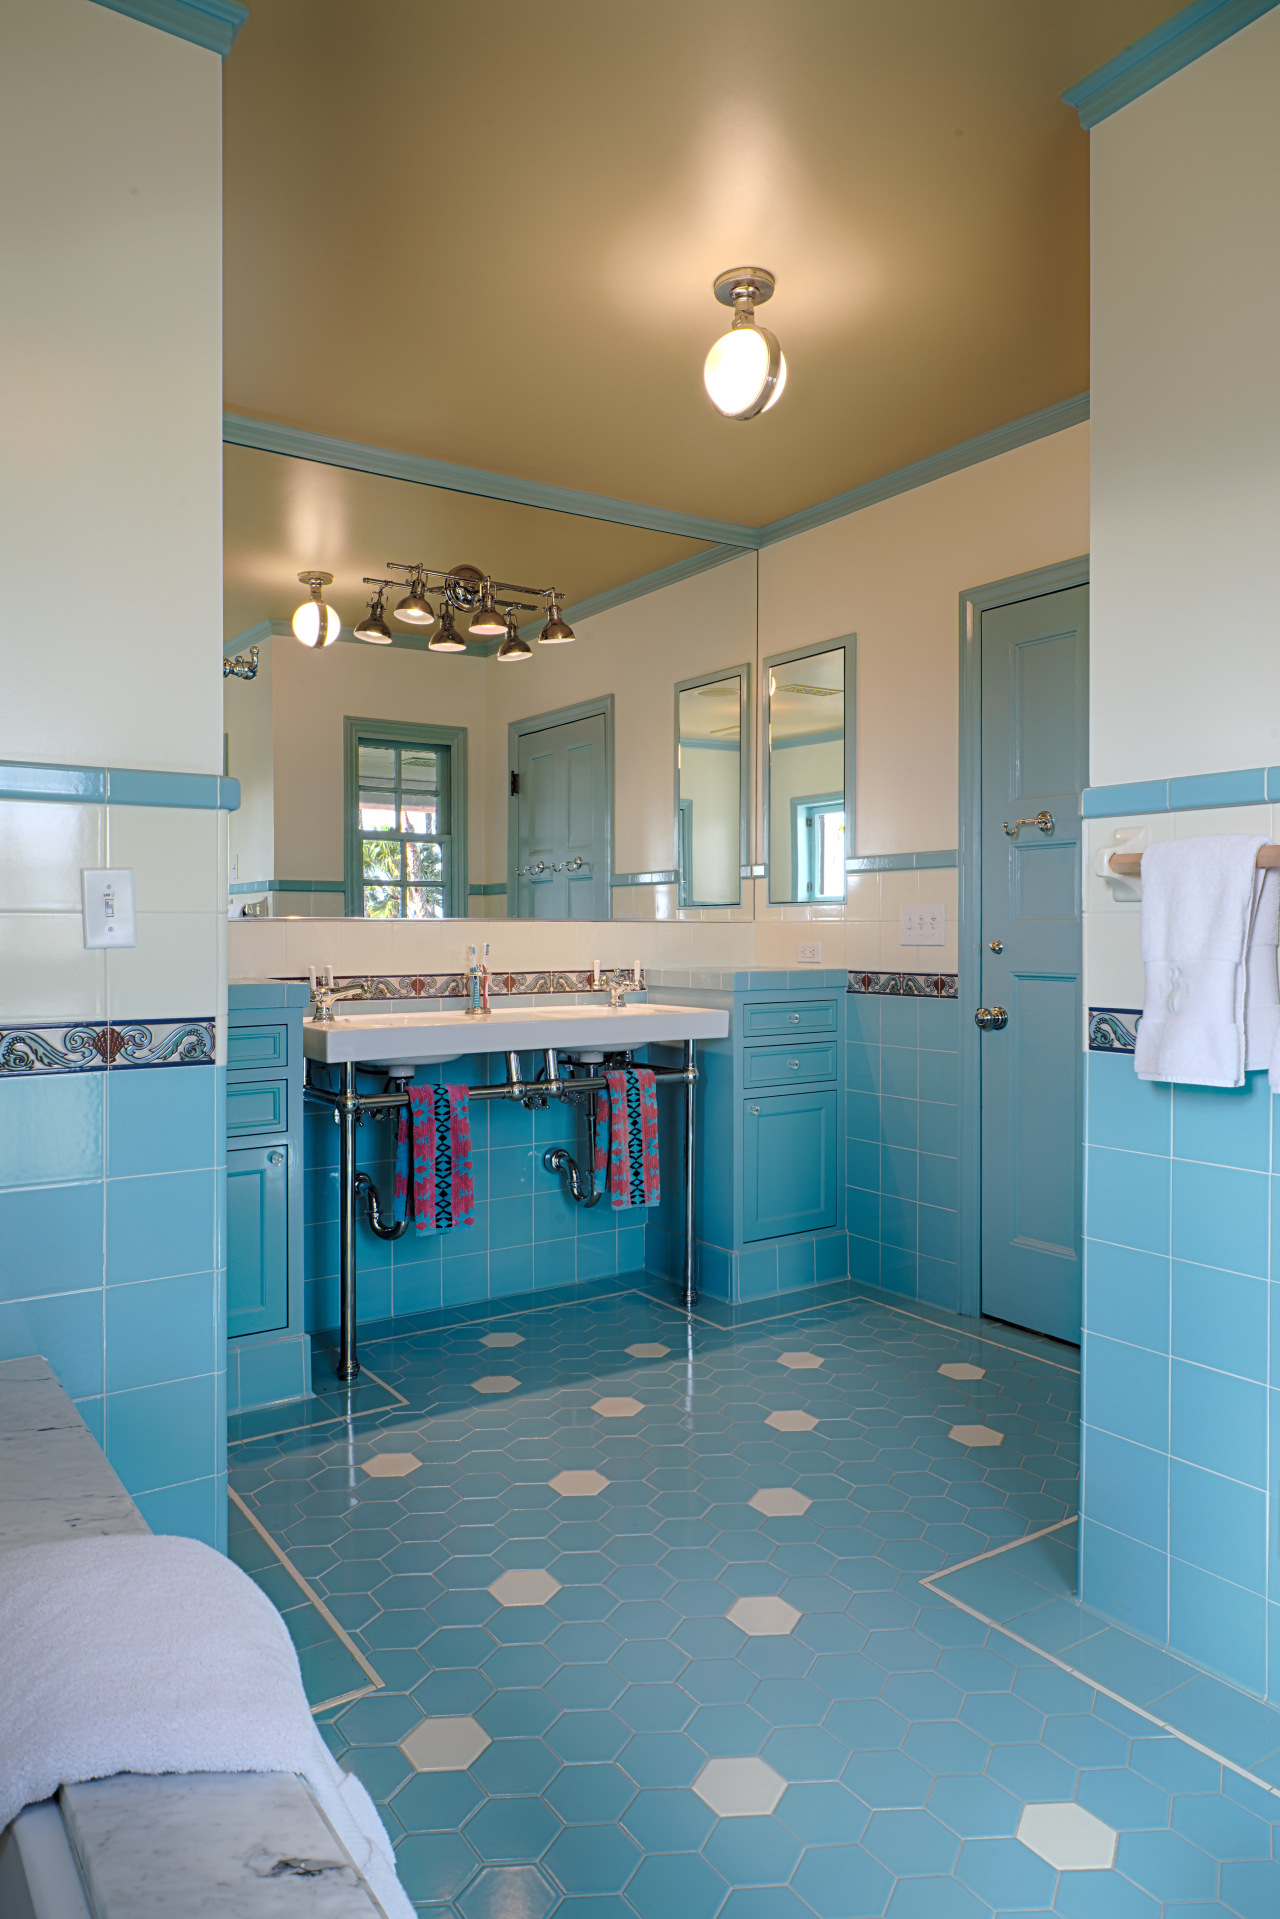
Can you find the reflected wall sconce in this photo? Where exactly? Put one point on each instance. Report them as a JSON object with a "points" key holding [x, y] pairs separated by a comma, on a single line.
{"points": [[489, 605], [243, 667], [745, 371], [314, 622]]}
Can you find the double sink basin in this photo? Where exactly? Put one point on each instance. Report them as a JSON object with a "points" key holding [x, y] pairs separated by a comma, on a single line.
{"points": [[389, 1040]]}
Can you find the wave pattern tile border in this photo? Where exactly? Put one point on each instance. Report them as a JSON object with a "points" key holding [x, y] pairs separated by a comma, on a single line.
{"points": [[501, 985], [1113, 1029], [85, 1046], [907, 985]]}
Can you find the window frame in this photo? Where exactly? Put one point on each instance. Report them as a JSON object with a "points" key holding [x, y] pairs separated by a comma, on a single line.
{"points": [[414, 733]]}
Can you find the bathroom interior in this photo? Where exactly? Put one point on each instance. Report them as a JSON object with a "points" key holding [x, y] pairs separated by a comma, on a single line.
{"points": [[641, 1290]]}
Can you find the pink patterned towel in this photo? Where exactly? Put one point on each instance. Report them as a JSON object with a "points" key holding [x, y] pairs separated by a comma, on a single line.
{"points": [[437, 1124], [628, 1116]]}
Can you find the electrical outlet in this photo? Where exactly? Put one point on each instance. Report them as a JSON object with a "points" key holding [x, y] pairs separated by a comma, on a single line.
{"points": [[108, 906], [809, 953], [922, 926]]}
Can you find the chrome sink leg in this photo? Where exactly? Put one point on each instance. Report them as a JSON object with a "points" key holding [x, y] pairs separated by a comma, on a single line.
{"points": [[348, 1364], [690, 1289]]}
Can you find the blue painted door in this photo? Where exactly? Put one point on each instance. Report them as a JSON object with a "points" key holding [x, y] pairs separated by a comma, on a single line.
{"points": [[1034, 663], [257, 1239], [788, 1164], [562, 839]]}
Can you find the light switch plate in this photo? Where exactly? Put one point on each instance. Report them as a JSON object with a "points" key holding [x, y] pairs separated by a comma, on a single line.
{"points": [[922, 926], [108, 906], [809, 953], [235, 868]]}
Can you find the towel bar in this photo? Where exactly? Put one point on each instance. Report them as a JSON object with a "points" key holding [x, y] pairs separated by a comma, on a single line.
{"points": [[1129, 865]]}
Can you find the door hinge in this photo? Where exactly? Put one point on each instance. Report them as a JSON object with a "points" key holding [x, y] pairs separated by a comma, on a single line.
{"points": [[515, 783]]}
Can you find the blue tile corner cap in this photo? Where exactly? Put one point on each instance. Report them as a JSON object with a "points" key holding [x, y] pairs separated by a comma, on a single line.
{"points": [[206, 23], [1175, 44]]}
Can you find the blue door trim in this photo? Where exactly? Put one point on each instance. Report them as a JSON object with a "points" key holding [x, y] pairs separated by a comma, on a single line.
{"points": [[973, 604], [206, 23], [1174, 44], [537, 723]]}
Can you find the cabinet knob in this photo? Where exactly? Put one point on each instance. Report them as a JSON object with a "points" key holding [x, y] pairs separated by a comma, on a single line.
{"points": [[794, 1018], [794, 1064], [755, 1110], [275, 1159]]}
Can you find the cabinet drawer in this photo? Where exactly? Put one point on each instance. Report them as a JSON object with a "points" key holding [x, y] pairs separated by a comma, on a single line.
{"points": [[789, 1016], [788, 1065], [257, 1106], [257, 1046], [257, 1240], [789, 1164]]}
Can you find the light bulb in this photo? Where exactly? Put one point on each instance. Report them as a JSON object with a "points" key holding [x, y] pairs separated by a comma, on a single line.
{"points": [[744, 372], [316, 624]]}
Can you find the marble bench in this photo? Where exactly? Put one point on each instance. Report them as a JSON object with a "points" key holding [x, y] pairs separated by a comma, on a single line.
{"points": [[203, 1845]]}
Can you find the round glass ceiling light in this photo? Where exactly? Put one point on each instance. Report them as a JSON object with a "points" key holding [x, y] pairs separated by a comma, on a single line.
{"points": [[745, 371], [314, 622]]}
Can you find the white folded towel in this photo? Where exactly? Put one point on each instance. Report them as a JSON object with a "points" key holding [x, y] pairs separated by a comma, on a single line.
{"points": [[1198, 899], [142, 1653], [1261, 999]]}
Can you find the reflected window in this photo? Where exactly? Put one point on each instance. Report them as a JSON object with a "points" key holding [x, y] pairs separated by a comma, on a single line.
{"points": [[402, 829], [808, 804], [819, 847]]}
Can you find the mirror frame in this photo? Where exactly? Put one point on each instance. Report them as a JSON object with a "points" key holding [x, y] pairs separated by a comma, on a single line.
{"points": [[849, 643], [743, 674]]}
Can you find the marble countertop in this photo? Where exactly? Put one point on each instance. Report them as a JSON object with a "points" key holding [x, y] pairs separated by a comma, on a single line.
{"points": [[55, 1482]]}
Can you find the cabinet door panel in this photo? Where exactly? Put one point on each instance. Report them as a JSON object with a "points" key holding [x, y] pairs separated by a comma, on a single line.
{"points": [[257, 1106], [788, 1066], [780, 1017], [789, 1164], [250, 1046], [257, 1239]]}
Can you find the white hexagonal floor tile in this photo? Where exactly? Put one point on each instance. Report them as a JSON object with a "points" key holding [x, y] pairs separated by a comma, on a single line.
{"points": [[521, 1587], [976, 1435], [779, 1502], [495, 1383], [391, 1465], [799, 1362], [578, 1485], [444, 1745], [653, 1351], [792, 1422], [762, 1615], [618, 1408], [1067, 1837], [961, 1369], [503, 1339], [739, 1788]]}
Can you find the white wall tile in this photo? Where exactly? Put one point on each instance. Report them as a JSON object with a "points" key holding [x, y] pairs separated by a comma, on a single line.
{"points": [[899, 889], [45, 971], [43, 847], [173, 851], [1113, 959], [171, 973]]}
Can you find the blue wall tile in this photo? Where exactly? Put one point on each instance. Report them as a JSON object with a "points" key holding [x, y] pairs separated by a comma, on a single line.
{"points": [[900, 1071], [161, 1121], [1221, 1217], [1127, 1488], [1127, 1199], [1229, 1125], [52, 1239], [159, 1225], [862, 1068], [899, 1172], [862, 1163], [939, 1181], [899, 1021], [939, 1129], [939, 1024], [940, 1077], [1127, 1294], [66, 1329], [938, 1232], [1125, 1580], [1218, 1525], [1126, 1391], [51, 1128], [1217, 1625], [162, 1435], [1220, 1319], [938, 1282], [1125, 1111], [190, 1511], [161, 1329], [1219, 1421]]}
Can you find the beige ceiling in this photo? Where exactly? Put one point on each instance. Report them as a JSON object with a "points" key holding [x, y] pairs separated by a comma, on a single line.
{"points": [[487, 232], [281, 516]]}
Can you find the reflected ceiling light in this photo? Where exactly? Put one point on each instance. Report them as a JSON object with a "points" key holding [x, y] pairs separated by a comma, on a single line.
{"points": [[513, 647], [745, 370], [415, 609], [373, 627], [448, 639], [488, 623], [555, 632], [314, 622]]}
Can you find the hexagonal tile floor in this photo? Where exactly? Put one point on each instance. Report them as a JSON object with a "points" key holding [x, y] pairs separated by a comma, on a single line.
{"points": [[676, 1662]]}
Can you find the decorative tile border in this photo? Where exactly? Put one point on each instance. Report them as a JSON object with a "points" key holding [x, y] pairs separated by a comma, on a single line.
{"points": [[501, 985], [87, 1046], [900, 862], [907, 985], [1113, 1029], [1247, 786], [116, 786]]}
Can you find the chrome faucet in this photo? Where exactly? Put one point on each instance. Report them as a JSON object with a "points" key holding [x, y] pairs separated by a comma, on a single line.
{"points": [[618, 990], [323, 995]]}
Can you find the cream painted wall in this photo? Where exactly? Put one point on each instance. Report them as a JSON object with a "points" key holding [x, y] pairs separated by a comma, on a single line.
{"points": [[249, 723], [711, 781], [893, 575], [110, 390], [1185, 619]]}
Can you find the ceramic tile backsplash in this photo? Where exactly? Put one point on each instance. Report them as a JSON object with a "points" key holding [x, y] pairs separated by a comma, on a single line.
{"points": [[42, 851]]}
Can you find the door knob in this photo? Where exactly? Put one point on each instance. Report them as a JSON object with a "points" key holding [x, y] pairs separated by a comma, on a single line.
{"points": [[276, 1159], [991, 1018]]}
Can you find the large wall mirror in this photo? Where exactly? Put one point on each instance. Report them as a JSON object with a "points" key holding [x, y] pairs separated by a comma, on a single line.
{"points": [[808, 797], [713, 785]]}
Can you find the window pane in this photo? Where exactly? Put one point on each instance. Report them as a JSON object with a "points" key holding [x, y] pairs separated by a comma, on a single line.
{"points": [[377, 765], [377, 815], [831, 864], [423, 860], [382, 902], [381, 859], [425, 902], [424, 788]]}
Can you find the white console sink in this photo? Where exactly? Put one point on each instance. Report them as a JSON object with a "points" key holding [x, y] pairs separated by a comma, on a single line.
{"points": [[422, 1039]]}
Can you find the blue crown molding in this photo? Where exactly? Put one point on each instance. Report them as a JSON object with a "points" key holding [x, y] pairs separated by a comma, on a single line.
{"points": [[1168, 48], [667, 877], [206, 23], [900, 862], [636, 589], [264, 436], [116, 786], [986, 446]]}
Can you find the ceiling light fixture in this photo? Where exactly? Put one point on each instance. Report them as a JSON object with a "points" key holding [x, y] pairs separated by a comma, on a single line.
{"points": [[314, 622], [513, 647], [555, 632], [745, 371], [373, 627], [415, 609], [488, 623], [448, 639]]}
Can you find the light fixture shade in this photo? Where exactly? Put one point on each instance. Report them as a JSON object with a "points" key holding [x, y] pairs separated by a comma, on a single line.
{"points": [[316, 624], [448, 639], [513, 647], [415, 609], [556, 632], [487, 623], [373, 627], [744, 372]]}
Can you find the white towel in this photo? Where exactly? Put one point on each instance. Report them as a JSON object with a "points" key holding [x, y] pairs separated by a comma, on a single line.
{"points": [[1261, 1000], [1198, 898], [138, 1653]]}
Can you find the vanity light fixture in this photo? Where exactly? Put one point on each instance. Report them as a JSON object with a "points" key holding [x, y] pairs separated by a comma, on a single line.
{"points": [[448, 639], [513, 647], [314, 622], [745, 371], [555, 632], [373, 627], [488, 623], [415, 609]]}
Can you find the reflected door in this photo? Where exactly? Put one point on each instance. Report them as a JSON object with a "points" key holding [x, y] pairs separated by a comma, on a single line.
{"points": [[562, 836], [1034, 763]]}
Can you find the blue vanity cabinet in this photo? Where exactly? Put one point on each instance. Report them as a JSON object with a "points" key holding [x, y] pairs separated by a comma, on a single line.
{"points": [[789, 1164], [268, 1352]]}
